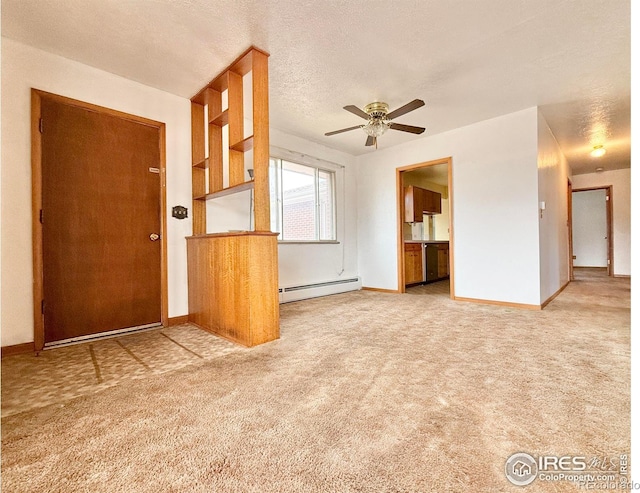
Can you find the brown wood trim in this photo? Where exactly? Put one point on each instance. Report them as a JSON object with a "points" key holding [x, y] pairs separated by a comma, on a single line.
{"points": [[244, 68], [499, 303], [231, 233], [588, 189], [400, 222], [260, 87], [98, 109], [452, 277], [36, 200], [182, 319], [240, 187], [554, 295], [570, 226], [622, 276], [380, 290], [164, 259], [27, 347], [36, 226], [410, 167], [400, 219], [610, 238]]}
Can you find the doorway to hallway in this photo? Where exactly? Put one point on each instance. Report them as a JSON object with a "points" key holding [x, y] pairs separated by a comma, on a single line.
{"points": [[591, 228]]}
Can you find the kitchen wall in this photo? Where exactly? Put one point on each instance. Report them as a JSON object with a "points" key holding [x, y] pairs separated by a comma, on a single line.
{"points": [[495, 208], [620, 181], [24, 67], [441, 221], [553, 175]]}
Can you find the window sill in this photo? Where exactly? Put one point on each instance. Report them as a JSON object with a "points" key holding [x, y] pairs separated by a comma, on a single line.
{"points": [[313, 242]]}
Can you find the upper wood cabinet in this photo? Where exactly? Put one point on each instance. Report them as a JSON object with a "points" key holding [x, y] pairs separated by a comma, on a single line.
{"points": [[418, 201]]}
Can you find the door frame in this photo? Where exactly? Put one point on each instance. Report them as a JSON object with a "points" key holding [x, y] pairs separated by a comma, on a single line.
{"points": [[37, 96], [609, 213], [400, 219], [570, 226]]}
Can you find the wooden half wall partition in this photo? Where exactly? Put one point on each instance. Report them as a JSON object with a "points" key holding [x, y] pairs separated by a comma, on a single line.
{"points": [[233, 285], [233, 276]]}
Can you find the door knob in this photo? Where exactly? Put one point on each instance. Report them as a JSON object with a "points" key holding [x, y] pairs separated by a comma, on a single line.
{"points": [[154, 237]]}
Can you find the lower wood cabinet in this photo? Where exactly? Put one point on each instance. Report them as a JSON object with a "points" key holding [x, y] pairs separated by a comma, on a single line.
{"points": [[443, 261], [412, 263], [435, 260]]}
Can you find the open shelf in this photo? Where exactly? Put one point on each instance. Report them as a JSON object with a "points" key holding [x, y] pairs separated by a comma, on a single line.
{"points": [[222, 119], [209, 115], [244, 145], [204, 164], [247, 185]]}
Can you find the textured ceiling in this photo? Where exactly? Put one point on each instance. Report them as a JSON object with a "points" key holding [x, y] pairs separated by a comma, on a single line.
{"points": [[469, 60]]}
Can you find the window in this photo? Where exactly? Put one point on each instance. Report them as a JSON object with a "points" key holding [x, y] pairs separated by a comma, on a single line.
{"points": [[302, 201]]}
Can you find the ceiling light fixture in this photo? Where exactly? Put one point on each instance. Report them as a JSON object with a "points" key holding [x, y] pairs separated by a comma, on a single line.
{"points": [[378, 123], [599, 169], [376, 127], [598, 151]]}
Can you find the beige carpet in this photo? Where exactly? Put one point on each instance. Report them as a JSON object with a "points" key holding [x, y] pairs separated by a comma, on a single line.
{"points": [[365, 392]]}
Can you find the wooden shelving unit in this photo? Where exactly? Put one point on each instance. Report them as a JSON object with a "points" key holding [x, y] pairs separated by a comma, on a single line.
{"points": [[233, 277], [209, 99], [247, 185]]}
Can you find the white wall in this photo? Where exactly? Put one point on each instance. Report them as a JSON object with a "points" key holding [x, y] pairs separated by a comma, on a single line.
{"points": [[309, 263], [553, 175], [24, 68], [495, 213], [620, 181]]}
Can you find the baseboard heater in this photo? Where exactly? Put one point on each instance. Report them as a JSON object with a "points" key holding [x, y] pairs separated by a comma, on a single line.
{"points": [[314, 290]]}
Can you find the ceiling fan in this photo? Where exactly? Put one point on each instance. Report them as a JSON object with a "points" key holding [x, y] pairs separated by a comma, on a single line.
{"points": [[379, 120]]}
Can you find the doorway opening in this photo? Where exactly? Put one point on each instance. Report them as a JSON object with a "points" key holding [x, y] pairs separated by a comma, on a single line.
{"points": [[591, 230], [98, 220], [425, 226]]}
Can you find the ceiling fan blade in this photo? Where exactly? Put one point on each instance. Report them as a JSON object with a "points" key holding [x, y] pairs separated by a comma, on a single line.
{"points": [[370, 141], [413, 105], [406, 128], [356, 111], [342, 130]]}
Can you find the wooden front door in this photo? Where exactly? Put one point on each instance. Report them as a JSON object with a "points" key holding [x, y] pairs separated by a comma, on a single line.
{"points": [[101, 202]]}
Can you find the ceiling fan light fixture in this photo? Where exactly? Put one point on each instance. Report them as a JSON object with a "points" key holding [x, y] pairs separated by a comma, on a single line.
{"points": [[376, 127], [598, 151], [379, 120]]}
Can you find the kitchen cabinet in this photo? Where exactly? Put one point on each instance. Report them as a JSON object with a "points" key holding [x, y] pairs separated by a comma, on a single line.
{"points": [[413, 263], [418, 201], [443, 261], [437, 261], [425, 262]]}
